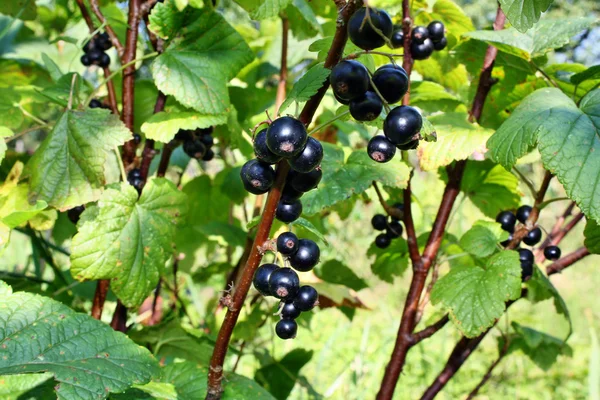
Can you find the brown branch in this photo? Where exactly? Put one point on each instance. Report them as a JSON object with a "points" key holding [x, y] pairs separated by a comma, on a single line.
{"points": [[430, 330], [86, 15], [488, 374], [109, 30], [411, 234], [100, 298], [215, 373], [389, 210], [566, 261], [119, 319]]}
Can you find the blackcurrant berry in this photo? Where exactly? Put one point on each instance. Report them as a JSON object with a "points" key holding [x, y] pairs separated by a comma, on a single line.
{"points": [[361, 31], [288, 212], [134, 174], [286, 329], [441, 45], [305, 182], [95, 103], [85, 60], [533, 237], [367, 107], [75, 212], [523, 213], [392, 83], [349, 79], [380, 149], [525, 255], [379, 222], [287, 243], [262, 150], [261, 278], [290, 194], [257, 177], [307, 255], [402, 124], [436, 31], [286, 137], [284, 283], [184, 135], [138, 184], [209, 155], [194, 148], [507, 220], [421, 51], [306, 298], [104, 60], [526, 270], [340, 100], [289, 311], [413, 144], [507, 241], [419, 34], [103, 41], [552, 252], [89, 46], [209, 140], [137, 138], [95, 55], [400, 208], [382, 241], [397, 39], [309, 158], [394, 230]]}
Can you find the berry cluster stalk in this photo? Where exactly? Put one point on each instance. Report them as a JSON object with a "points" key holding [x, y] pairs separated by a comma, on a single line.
{"points": [[406, 337], [215, 373]]}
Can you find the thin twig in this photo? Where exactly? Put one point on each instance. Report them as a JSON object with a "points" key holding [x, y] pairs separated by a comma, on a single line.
{"points": [[109, 30], [488, 374]]}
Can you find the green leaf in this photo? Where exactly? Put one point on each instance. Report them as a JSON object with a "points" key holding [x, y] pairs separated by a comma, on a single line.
{"points": [[490, 187], [540, 288], [87, 357], [540, 347], [22, 9], [11, 116], [15, 387], [4, 133], [196, 67], [263, 9], [343, 178], [475, 297], [306, 86], [483, 238], [592, 237], [279, 376], [523, 14], [190, 381], [567, 139], [165, 19], [65, 89], [588, 74], [67, 169], [391, 262], [52, 68], [15, 209], [431, 96], [335, 272], [305, 24], [224, 233], [547, 35], [130, 239], [306, 224], [163, 126], [457, 139]]}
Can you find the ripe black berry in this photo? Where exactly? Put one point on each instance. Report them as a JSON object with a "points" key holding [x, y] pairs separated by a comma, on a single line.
{"points": [[397, 39], [288, 211], [137, 138], [309, 158], [286, 329], [305, 182], [134, 177], [394, 230], [85, 60], [306, 257], [361, 31], [550, 252], [340, 100], [367, 107], [421, 51], [523, 213], [286, 137], [209, 155], [413, 144], [95, 103], [533, 237], [402, 124], [526, 270], [382, 241], [257, 177], [508, 220], [436, 31], [194, 148], [262, 150], [103, 41], [392, 83], [75, 212], [289, 311], [525, 255], [104, 60], [507, 241], [287, 243], [95, 55], [380, 149], [290, 194], [419, 34], [306, 298], [284, 283], [441, 45], [209, 140], [261, 278], [349, 79], [379, 222]]}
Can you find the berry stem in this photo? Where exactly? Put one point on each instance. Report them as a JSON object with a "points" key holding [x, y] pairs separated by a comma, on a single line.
{"points": [[392, 211], [329, 122], [120, 162], [488, 374], [109, 30], [374, 87]]}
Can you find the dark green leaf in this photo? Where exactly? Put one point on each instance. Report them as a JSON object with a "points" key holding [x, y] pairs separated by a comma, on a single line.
{"points": [[335, 272]]}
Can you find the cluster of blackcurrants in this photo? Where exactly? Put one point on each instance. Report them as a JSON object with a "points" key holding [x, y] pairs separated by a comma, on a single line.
{"points": [[95, 51], [285, 138], [95, 103], [392, 228], [423, 40], [508, 220], [351, 85], [284, 284], [197, 143]]}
